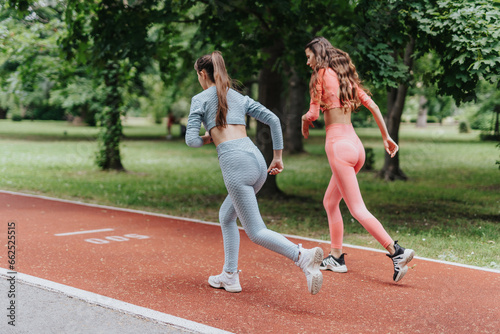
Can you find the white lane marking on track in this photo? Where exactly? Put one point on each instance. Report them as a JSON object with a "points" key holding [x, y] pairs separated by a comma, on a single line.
{"points": [[84, 232]]}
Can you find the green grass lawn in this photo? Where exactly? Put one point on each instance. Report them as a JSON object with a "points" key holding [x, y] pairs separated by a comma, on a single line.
{"points": [[449, 209]]}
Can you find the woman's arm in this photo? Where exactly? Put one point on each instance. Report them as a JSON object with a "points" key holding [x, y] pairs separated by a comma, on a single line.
{"points": [[314, 105], [306, 124], [390, 145], [193, 138], [264, 115]]}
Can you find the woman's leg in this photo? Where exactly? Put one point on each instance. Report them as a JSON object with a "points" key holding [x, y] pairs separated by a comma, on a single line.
{"points": [[345, 163], [244, 174], [230, 235], [331, 202]]}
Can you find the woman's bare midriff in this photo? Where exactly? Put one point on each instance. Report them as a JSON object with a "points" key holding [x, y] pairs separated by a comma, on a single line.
{"points": [[337, 116], [230, 132]]}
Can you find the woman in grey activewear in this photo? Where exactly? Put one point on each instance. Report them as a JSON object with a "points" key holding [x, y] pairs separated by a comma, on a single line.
{"points": [[222, 111]]}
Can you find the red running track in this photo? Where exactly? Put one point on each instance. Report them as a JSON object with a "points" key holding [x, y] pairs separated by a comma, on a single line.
{"points": [[163, 263]]}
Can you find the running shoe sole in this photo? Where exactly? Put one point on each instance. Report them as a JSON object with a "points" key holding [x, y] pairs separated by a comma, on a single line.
{"points": [[408, 254], [222, 285], [317, 276], [335, 269]]}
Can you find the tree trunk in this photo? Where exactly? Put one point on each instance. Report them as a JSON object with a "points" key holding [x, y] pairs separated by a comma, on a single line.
{"points": [[395, 104], [496, 128], [294, 108], [422, 112], [391, 170], [270, 84], [111, 126], [247, 90], [3, 113]]}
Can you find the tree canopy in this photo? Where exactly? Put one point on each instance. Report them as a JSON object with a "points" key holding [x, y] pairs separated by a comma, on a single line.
{"points": [[391, 35], [110, 44]]}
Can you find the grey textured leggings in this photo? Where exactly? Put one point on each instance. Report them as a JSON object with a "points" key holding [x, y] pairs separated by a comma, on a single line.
{"points": [[244, 171]]}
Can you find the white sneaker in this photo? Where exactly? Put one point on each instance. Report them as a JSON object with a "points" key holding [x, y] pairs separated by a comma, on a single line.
{"points": [[229, 282], [309, 261]]}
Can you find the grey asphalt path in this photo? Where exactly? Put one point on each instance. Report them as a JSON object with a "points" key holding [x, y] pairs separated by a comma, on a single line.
{"points": [[43, 309]]}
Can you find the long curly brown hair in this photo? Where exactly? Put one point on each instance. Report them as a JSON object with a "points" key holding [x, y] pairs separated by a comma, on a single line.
{"points": [[328, 56]]}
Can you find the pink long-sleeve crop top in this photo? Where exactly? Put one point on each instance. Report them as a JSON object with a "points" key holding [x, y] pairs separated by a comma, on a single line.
{"points": [[327, 97]]}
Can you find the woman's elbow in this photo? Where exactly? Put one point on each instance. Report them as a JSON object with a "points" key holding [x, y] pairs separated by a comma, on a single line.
{"points": [[273, 120], [194, 142]]}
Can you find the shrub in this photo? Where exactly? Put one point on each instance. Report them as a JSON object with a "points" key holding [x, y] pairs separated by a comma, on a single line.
{"points": [[481, 121], [17, 118], [488, 136], [369, 161], [432, 119], [463, 127], [45, 113]]}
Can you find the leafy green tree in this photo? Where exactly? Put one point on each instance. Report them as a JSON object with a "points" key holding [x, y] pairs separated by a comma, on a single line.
{"points": [[120, 39], [486, 111], [392, 34], [430, 102], [31, 67], [80, 97]]}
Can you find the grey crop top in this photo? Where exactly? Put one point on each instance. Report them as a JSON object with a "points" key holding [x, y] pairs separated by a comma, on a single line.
{"points": [[204, 109]]}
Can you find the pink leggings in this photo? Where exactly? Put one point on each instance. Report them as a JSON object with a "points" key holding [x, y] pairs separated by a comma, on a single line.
{"points": [[346, 155]]}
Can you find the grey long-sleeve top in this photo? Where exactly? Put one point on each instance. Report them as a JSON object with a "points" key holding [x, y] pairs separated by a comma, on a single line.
{"points": [[204, 109]]}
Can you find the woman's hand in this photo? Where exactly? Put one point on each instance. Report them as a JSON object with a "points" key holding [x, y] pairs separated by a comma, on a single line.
{"points": [[391, 147], [207, 139], [275, 167], [305, 126]]}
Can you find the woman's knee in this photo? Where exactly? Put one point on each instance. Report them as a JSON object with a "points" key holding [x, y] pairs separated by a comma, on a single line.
{"points": [[361, 213], [329, 204], [226, 214], [224, 220], [256, 235], [332, 198]]}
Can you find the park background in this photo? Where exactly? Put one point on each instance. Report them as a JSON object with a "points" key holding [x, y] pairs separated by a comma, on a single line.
{"points": [[86, 87]]}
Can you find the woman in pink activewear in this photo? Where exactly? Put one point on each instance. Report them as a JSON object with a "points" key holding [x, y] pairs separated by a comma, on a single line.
{"points": [[336, 89]]}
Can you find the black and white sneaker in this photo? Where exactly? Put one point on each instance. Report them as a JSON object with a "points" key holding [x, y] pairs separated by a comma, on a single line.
{"points": [[332, 263], [400, 259]]}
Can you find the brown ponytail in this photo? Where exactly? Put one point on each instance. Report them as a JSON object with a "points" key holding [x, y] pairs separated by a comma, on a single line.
{"points": [[216, 70]]}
